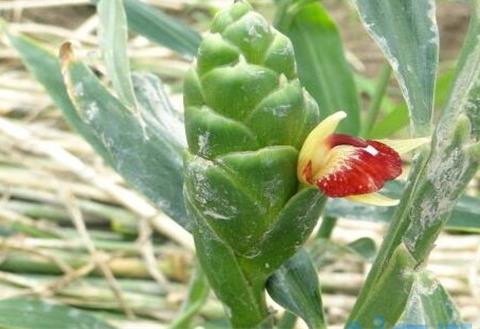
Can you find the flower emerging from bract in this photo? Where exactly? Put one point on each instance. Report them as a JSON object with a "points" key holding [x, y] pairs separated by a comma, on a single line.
{"points": [[346, 166]]}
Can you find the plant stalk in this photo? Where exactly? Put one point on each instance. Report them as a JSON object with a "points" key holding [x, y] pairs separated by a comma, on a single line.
{"points": [[326, 227], [376, 102]]}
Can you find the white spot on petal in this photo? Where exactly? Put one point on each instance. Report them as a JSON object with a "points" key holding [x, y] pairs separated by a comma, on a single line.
{"points": [[370, 149]]}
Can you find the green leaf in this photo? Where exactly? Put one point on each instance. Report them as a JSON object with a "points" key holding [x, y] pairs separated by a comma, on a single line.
{"points": [[322, 66], [363, 247], [397, 118], [295, 286], [397, 277], [465, 215], [45, 67], [430, 305], [407, 33], [154, 101], [36, 314], [161, 28], [376, 99], [393, 122], [470, 46], [198, 292], [142, 149], [113, 42], [444, 85], [287, 321]]}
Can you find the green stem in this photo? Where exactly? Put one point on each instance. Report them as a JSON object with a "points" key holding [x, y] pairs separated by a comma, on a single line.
{"points": [[287, 321], [326, 227], [375, 104]]}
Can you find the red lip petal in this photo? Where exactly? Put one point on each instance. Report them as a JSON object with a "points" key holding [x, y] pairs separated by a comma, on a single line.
{"points": [[364, 172], [342, 139]]}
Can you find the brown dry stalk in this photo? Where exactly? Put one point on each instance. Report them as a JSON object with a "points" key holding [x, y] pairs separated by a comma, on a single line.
{"points": [[97, 258], [148, 254], [15, 243], [133, 201], [26, 4]]}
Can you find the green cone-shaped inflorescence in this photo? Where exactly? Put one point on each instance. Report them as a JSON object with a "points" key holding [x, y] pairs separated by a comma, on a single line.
{"points": [[246, 116]]}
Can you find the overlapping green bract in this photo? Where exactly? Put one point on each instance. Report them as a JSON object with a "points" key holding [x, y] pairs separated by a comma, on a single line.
{"points": [[246, 116]]}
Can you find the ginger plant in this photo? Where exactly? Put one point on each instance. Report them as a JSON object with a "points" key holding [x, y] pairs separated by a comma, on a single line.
{"points": [[246, 117], [263, 158]]}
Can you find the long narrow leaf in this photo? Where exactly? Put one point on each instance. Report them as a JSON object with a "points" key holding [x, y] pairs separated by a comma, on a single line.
{"points": [[142, 150], [398, 118], [322, 66], [295, 286], [154, 100], [395, 279], [393, 122], [46, 69], [113, 42], [161, 28], [407, 33], [36, 314]]}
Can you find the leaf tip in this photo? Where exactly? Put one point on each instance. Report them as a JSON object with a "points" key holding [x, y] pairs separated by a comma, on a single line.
{"points": [[66, 54]]}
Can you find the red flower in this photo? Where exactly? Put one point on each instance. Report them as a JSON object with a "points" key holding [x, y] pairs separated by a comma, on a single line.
{"points": [[346, 166]]}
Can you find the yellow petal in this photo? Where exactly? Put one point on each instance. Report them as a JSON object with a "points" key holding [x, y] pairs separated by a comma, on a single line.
{"points": [[333, 160], [403, 146], [315, 148], [375, 199]]}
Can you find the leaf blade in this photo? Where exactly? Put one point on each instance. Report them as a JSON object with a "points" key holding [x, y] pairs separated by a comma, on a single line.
{"points": [[295, 286], [161, 28], [36, 314], [114, 43], [379, 304], [45, 67], [142, 150], [322, 66], [430, 305], [407, 33]]}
